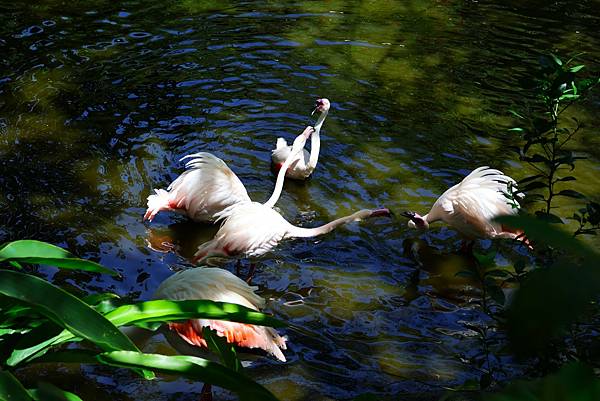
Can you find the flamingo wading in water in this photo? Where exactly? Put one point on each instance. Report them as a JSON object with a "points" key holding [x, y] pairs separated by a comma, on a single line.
{"points": [[252, 229], [470, 206], [208, 187], [304, 163], [218, 285]]}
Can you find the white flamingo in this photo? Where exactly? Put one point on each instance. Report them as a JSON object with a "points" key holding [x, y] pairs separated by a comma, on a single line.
{"points": [[208, 187], [470, 206], [216, 285], [304, 163], [251, 229]]}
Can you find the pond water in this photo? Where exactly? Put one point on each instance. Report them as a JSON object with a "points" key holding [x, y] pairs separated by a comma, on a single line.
{"points": [[98, 101]]}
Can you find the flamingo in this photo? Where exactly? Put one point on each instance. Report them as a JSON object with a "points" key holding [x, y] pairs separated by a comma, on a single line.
{"points": [[218, 285], [252, 229], [303, 164], [208, 187], [470, 206]]}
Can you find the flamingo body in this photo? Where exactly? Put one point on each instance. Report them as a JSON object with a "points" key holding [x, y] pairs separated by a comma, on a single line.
{"points": [[299, 168], [221, 286], [471, 205], [302, 164], [207, 187], [252, 229]]}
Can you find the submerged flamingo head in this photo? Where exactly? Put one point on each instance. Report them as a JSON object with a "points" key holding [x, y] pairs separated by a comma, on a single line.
{"points": [[322, 105], [416, 220]]}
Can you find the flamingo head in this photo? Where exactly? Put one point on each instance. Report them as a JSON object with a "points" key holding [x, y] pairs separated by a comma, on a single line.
{"points": [[322, 105], [416, 220]]}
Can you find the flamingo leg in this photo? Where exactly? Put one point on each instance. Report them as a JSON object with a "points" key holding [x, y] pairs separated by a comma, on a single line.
{"points": [[466, 247], [238, 266], [206, 394], [251, 271]]}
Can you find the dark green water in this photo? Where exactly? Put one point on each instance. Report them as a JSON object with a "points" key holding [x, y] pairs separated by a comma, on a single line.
{"points": [[98, 101]]}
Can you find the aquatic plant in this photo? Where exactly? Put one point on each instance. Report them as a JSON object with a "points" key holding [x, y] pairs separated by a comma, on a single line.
{"points": [[39, 319], [546, 136]]}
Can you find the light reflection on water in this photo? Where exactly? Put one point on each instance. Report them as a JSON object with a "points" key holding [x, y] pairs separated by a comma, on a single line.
{"points": [[99, 101]]}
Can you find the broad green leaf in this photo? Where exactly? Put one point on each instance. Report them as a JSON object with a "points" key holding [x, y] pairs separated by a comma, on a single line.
{"points": [[38, 252], [567, 178], [193, 368], [11, 389], [219, 346], [64, 309], [548, 217], [556, 59], [157, 311], [571, 194], [165, 310], [49, 392], [530, 178]]}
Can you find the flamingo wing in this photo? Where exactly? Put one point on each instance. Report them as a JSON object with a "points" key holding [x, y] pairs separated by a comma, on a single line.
{"points": [[221, 286], [471, 205], [250, 229], [207, 187]]}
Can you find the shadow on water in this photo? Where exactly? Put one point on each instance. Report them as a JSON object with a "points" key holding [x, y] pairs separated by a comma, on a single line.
{"points": [[99, 100]]}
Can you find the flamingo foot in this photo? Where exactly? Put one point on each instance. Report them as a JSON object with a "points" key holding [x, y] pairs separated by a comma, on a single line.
{"points": [[206, 394], [251, 271]]}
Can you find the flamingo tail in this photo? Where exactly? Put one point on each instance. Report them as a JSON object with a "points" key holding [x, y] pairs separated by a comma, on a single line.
{"points": [[157, 202]]}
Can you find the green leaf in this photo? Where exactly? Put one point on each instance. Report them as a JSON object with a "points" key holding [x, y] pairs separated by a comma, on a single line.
{"points": [[576, 68], [571, 194], [37, 252], [514, 113], [517, 129], [165, 310], [549, 217], [533, 185], [556, 59], [49, 392], [193, 368], [465, 274], [11, 389], [219, 346], [567, 178], [530, 178], [64, 309]]}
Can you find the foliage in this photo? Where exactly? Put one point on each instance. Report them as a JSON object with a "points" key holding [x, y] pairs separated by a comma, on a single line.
{"points": [[555, 296], [546, 137], [37, 316], [572, 382], [588, 219]]}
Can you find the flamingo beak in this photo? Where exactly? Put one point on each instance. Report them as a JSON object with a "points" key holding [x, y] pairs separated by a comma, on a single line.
{"points": [[410, 215], [381, 212]]}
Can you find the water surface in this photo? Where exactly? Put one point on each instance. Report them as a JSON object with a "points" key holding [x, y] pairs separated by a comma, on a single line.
{"points": [[98, 101]]}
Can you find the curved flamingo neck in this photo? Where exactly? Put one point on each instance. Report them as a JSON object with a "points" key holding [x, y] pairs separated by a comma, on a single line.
{"points": [[301, 232], [315, 142], [281, 177]]}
